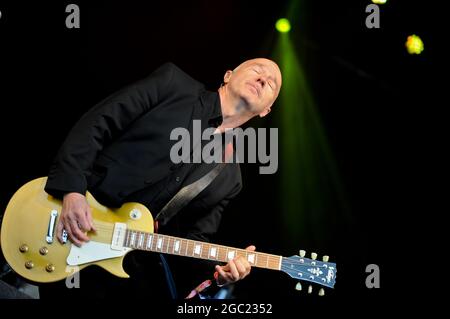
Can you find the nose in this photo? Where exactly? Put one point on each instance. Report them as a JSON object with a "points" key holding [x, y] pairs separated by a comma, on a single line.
{"points": [[262, 81]]}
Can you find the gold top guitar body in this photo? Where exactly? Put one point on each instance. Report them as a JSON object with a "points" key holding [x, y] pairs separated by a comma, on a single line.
{"points": [[29, 241]]}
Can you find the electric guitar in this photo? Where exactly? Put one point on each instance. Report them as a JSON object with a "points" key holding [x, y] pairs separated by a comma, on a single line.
{"points": [[31, 248]]}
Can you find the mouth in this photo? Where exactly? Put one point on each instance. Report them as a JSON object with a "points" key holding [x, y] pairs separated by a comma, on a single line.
{"points": [[254, 89]]}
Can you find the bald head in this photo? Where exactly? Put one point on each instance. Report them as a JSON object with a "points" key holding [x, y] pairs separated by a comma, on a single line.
{"points": [[256, 83], [264, 63]]}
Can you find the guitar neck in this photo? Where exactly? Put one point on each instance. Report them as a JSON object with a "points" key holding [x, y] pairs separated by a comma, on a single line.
{"points": [[197, 249]]}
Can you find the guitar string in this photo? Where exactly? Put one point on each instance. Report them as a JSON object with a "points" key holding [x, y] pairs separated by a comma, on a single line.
{"points": [[104, 231], [272, 259], [109, 228]]}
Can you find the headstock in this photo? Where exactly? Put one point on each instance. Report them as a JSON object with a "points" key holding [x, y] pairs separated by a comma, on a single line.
{"points": [[310, 269]]}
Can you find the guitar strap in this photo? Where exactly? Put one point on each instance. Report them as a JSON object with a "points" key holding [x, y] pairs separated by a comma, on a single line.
{"points": [[181, 199], [186, 194]]}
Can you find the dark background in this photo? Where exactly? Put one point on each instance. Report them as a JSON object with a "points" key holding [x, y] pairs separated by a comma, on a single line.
{"points": [[373, 97]]}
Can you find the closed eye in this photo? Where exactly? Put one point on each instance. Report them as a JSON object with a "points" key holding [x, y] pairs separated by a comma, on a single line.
{"points": [[271, 85]]}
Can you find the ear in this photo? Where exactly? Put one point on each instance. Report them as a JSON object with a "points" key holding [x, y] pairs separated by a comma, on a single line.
{"points": [[227, 76], [265, 112]]}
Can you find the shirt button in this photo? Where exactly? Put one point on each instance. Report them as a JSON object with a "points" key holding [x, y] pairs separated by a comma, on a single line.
{"points": [[177, 179]]}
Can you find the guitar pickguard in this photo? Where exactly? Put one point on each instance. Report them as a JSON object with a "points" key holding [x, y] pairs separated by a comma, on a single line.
{"points": [[92, 251]]}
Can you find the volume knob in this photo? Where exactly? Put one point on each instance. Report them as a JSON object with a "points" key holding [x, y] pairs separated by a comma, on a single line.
{"points": [[50, 268], [23, 248]]}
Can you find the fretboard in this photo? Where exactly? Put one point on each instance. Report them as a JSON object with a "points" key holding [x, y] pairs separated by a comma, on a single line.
{"points": [[197, 249]]}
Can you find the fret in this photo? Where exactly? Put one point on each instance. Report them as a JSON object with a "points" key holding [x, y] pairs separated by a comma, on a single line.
{"points": [[182, 246], [204, 251], [127, 238], [208, 250], [197, 248], [213, 252], [155, 242], [186, 249], [231, 254], [251, 258], [167, 242], [222, 253], [241, 253], [164, 243], [141, 240], [149, 241], [133, 238], [176, 246], [262, 262], [225, 254], [159, 242], [171, 246], [192, 246]]}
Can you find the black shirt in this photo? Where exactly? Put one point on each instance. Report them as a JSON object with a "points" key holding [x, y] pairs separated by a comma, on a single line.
{"points": [[119, 151]]}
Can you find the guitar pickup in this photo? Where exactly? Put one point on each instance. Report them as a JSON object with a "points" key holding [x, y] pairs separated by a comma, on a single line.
{"points": [[51, 226], [118, 237]]}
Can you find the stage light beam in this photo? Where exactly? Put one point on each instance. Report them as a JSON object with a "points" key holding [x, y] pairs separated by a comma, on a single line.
{"points": [[310, 185]]}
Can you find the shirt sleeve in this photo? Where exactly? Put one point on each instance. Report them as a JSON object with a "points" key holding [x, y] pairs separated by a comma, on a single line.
{"points": [[99, 126]]}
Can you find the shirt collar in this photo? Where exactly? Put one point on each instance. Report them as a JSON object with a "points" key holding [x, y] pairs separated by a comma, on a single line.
{"points": [[212, 110]]}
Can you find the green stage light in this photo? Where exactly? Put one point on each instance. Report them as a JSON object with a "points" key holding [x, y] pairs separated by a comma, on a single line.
{"points": [[414, 44], [310, 183], [379, 1], [283, 25]]}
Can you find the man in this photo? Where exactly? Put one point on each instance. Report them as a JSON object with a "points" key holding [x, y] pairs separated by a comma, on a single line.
{"points": [[119, 151]]}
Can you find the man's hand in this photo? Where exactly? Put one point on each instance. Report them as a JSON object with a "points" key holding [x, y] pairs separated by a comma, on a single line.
{"points": [[236, 269], [76, 218]]}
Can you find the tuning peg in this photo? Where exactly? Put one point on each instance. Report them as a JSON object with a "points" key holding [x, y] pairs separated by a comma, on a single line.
{"points": [[302, 253], [321, 292], [325, 258], [298, 286], [313, 256], [309, 289]]}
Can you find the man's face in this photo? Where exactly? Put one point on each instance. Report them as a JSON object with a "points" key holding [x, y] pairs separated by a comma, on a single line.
{"points": [[257, 82]]}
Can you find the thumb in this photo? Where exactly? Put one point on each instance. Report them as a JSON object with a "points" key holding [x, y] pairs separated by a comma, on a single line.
{"points": [[251, 248]]}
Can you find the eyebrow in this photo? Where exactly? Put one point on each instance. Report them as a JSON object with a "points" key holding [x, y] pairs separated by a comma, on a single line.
{"points": [[272, 77]]}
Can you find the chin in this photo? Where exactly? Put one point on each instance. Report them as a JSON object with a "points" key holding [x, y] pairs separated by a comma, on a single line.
{"points": [[250, 100]]}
